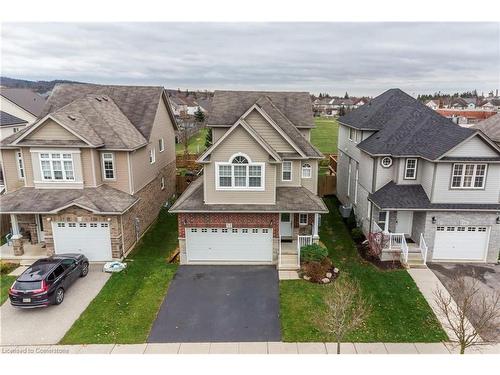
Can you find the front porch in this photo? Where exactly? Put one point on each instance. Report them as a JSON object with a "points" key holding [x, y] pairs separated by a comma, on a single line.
{"points": [[25, 240], [296, 231]]}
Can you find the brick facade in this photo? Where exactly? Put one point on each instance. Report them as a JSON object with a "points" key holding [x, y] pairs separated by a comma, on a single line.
{"points": [[219, 220]]}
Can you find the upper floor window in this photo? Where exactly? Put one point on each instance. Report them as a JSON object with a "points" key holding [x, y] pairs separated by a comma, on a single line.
{"points": [[152, 155], [286, 171], [57, 166], [108, 165], [161, 145], [354, 135], [386, 162], [240, 174], [306, 170], [411, 169], [468, 176], [20, 164]]}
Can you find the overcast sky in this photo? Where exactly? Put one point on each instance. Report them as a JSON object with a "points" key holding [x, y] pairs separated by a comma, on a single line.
{"points": [[361, 58]]}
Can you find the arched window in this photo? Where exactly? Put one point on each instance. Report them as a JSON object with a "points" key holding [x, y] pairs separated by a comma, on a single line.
{"points": [[306, 170], [239, 160]]}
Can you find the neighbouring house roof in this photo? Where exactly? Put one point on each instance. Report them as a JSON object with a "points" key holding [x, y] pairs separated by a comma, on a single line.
{"points": [[138, 103], [25, 98], [475, 115], [288, 199], [228, 106], [7, 119], [102, 199], [404, 126], [490, 127], [413, 197]]}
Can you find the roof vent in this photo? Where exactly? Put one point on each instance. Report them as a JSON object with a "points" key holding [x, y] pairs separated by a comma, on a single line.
{"points": [[98, 99], [71, 117], [104, 98]]}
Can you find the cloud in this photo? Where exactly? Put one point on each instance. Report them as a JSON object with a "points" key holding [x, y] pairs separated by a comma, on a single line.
{"points": [[362, 58]]}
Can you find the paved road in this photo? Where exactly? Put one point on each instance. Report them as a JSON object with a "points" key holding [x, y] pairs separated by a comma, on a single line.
{"points": [[48, 325], [220, 304], [487, 274]]}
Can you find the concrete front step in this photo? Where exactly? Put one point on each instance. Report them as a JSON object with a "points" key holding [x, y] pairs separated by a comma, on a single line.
{"points": [[289, 262]]}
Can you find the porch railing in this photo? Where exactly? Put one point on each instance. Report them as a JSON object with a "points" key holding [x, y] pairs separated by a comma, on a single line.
{"points": [[423, 248], [302, 241], [398, 241]]}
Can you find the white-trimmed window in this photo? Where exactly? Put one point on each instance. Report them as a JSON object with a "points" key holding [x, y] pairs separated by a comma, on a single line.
{"points": [[161, 145], [468, 176], [20, 164], [152, 155], [303, 219], [386, 161], [240, 173], [306, 170], [352, 134], [411, 169], [162, 183], [383, 220], [57, 166], [108, 165], [286, 171]]}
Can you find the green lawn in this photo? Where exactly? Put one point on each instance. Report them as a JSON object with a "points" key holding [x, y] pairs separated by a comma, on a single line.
{"points": [[196, 143], [124, 310], [325, 135], [399, 311], [6, 281]]}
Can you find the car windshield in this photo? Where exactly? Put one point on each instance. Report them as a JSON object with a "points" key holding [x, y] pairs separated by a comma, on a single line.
{"points": [[27, 285]]}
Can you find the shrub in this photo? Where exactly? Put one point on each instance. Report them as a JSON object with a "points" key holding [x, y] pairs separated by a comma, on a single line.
{"points": [[6, 268], [313, 253], [357, 235]]}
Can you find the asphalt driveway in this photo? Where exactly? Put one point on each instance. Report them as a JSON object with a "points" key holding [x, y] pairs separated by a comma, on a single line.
{"points": [[220, 304], [488, 276], [48, 325]]}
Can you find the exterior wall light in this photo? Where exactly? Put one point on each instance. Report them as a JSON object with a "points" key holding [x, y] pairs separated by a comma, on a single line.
{"points": [[434, 220], [498, 219]]}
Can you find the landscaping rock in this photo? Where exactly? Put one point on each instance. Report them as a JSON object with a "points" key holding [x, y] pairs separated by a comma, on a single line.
{"points": [[329, 275], [335, 270], [325, 280], [307, 278]]}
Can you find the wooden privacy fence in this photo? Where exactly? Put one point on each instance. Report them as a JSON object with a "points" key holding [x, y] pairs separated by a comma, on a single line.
{"points": [[327, 185], [4, 224], [186, 161], [182, 182]]}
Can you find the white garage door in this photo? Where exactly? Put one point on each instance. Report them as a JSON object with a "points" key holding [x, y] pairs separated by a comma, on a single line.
{"points": [[91, 239], [468, 243], [238, 245]]}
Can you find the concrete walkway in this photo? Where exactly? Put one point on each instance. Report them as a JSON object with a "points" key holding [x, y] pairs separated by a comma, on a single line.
{"points": [[249, 348]]}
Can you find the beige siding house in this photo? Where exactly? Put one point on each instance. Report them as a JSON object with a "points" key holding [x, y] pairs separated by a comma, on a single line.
{"points": [[422, 188], [257, 202], [91, 174]]}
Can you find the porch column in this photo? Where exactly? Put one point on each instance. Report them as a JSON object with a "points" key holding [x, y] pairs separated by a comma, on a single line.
{"points": [[17, 239], [315, 227]]}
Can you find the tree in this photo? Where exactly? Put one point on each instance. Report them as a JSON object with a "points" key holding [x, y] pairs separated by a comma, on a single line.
{"points": [[347, 309], [199, 116], [342, 111], [346, 96], [471, 315], [208, 138]]}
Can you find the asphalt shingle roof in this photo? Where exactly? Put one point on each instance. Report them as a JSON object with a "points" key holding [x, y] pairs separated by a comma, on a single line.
{"points": [[100, 199], [24, 98], [393, 196], [288, 199], [228, 106], [404, 127], [8, 119], [490, 127]]}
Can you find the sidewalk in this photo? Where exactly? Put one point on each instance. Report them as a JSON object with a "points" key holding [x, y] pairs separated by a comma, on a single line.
{"points": [[249, 348]]}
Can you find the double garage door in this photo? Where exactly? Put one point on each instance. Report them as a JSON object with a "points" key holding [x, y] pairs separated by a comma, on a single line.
{"points": [[229, 245], [89, 238], [465, 243]]}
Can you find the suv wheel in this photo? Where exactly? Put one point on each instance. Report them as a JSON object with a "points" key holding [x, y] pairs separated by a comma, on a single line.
{"points": [[59, 296], [85, 270]]}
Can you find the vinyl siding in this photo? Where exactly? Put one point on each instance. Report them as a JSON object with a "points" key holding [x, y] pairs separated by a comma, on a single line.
{"points": [[11, 177], [142, 171], [473, 147], [296, 174], [51, 130], [310, 183], [268, 132], [217, 133], [87, 167], [7, 106], [121, 181], [29, 167], [384, 175], [240, 141], [442, 193], [426, 171]]}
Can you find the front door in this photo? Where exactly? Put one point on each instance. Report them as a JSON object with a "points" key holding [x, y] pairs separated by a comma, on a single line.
{"points": [[39, 225], [404, 222], [286, 225]]}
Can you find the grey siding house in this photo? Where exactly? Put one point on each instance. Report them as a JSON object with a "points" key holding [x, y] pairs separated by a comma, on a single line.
{"points": [[421, 188]]}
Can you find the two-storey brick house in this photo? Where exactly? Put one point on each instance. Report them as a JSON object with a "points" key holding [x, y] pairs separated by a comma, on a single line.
{"points": [[257, 199], [422, 188], [91, 174]]}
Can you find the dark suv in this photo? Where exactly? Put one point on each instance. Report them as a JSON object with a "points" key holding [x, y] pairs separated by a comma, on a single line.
{"points": [[46, 281]]}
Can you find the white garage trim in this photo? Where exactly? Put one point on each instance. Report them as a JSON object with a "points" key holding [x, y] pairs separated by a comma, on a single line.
{"points": [[461, 243], [92, 239], [229, 245]]}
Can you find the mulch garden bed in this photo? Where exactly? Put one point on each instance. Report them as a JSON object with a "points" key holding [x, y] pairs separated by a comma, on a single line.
{"points": [[363, 250]]}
